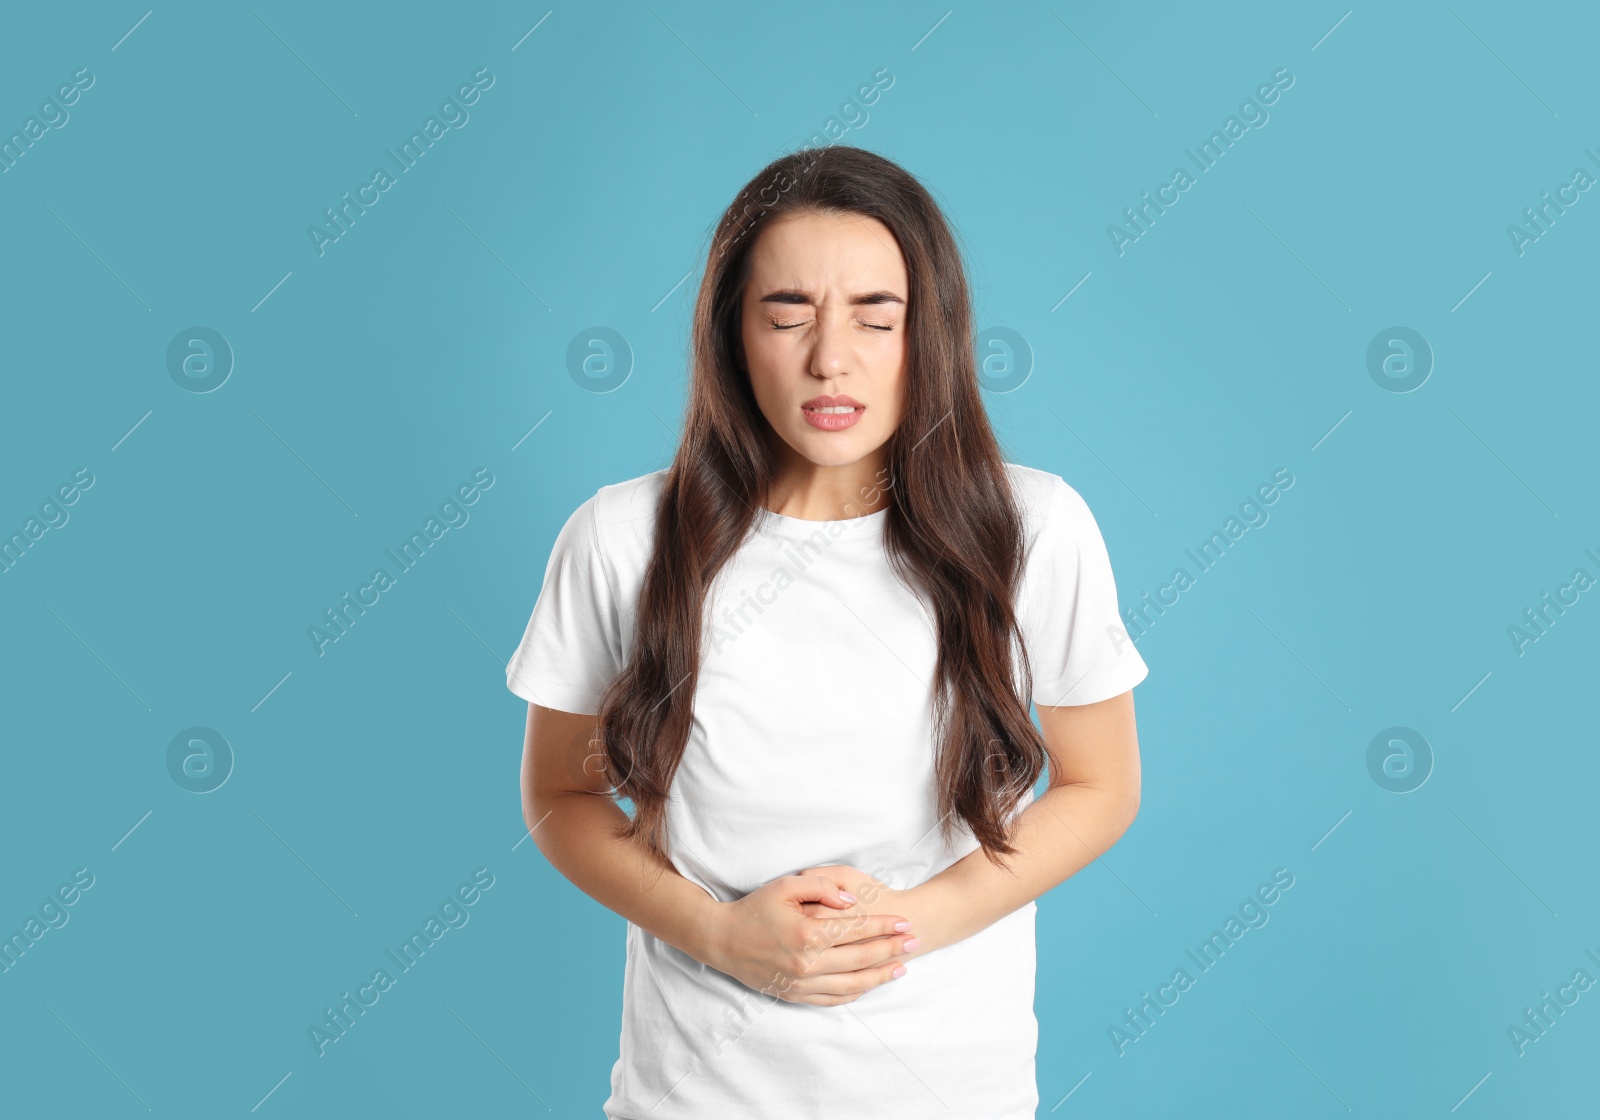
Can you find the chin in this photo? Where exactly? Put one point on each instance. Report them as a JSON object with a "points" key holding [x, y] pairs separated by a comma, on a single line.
{"points": [[835, 449]]}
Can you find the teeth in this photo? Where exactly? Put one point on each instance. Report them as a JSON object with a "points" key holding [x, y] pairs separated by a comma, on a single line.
{"points": [[835, 409]]}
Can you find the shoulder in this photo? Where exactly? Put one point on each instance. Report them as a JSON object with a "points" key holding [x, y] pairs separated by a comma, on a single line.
{"points": [[629, 503], [618, 522], [1046, 499]]}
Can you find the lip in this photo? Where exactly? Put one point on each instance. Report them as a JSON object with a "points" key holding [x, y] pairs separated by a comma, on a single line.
{"points": [[832, 421], [825, 401]]}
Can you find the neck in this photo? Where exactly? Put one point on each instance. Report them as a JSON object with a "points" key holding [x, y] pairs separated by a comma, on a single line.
{"points": [[813, 492]]}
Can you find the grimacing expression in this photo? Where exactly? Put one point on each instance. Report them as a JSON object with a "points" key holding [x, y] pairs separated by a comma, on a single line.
{"points": [[824, 315]]}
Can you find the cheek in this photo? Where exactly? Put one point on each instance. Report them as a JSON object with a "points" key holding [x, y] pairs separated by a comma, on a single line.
{"points": [[889, 418], [763, 353], [773, 362], [765, 381], [893, 389], [769, 388]]}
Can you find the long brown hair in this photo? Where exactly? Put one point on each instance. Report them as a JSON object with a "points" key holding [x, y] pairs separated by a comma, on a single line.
{"points": [[953, 534]]}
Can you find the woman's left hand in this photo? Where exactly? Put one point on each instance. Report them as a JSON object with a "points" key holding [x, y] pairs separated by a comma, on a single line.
{"points": [[877, 897]]}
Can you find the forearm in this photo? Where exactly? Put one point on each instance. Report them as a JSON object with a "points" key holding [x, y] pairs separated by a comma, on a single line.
{"points": [[576, 833], [1059, 834]]}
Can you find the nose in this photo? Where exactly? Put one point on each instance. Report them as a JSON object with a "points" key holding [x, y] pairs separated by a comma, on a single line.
{"points": [[831, 350]]}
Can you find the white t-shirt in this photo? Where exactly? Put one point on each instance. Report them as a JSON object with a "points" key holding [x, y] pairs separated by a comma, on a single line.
{"points": [[812, 744]]}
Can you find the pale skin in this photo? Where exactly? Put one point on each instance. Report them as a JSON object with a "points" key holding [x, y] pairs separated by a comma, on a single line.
{"points": [[824, 314]]}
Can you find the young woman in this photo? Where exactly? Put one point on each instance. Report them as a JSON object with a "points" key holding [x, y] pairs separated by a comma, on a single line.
{"points": [[805, 654]]}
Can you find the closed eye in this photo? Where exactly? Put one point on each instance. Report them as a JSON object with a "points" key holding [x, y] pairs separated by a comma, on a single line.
{"points": [[790, 326]]}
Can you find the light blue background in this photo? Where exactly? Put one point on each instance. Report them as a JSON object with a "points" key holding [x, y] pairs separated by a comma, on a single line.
{"points": [[1229, 341]]}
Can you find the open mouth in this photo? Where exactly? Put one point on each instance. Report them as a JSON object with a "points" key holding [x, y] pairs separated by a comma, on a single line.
{"points": [[832, 414]]}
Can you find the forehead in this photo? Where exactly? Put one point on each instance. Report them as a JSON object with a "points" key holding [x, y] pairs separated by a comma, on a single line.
{"points": [[813, 252]]}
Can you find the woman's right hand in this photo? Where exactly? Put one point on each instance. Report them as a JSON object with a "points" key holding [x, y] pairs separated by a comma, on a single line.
{"points": [[766, 941]]}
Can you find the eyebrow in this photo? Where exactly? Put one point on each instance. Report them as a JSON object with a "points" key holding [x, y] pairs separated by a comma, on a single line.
{"points": [[795, 295]]}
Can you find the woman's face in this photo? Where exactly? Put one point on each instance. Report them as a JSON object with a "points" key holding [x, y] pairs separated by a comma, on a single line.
{"points": [[823, 334]]}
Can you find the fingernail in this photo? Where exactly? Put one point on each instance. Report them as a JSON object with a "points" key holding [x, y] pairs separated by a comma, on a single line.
{"points": [[847, 896], [902, 927], [899, 971], [910, 945]]}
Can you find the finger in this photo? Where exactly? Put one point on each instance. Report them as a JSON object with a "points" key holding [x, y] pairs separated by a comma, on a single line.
{"points": [[839, 929], [850, 984], [819, 888], [818, 935], [849, 878], [822, 1001], [833, 950], [817, 910], [858, 955]]}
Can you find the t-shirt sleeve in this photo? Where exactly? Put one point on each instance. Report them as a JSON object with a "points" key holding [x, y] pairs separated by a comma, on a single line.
{"points": [[571, 648], [1078, 648]]}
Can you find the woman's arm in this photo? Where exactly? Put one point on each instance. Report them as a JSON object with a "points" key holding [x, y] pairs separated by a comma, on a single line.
{"points": [[1092, 799], [572, 818], [764, 940]]}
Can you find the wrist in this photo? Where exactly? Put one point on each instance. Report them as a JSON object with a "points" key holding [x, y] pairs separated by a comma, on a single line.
{"points": [[704, 930], [927, 908]]}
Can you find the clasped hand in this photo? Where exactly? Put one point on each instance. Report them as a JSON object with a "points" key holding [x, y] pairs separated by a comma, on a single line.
{"points": [[826, 935]]}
